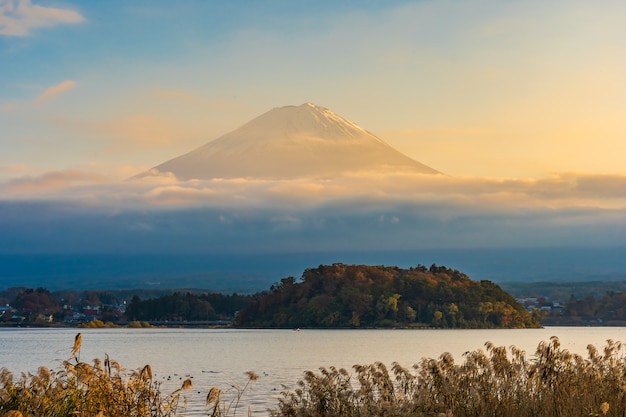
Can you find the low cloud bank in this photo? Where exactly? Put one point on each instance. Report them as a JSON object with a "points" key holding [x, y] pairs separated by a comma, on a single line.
{"points": [[83, 187], [73, 211]]}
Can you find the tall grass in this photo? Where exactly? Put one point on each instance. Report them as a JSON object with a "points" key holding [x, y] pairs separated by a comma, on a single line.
{"points": [[491, 382], [494, 382], [104, 388], [78, 388]]}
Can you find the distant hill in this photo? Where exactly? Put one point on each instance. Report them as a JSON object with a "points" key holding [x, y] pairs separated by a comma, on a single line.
{"points": [[249, 273], [291, 142], [341, 295]]}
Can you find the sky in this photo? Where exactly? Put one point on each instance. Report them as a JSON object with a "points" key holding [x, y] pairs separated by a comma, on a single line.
{"points": [[488, 88], [520, 103]]}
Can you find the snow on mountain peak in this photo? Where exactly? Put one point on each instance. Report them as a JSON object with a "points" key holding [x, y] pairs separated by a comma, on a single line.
{"points": [[290, 142], [307, 119]]}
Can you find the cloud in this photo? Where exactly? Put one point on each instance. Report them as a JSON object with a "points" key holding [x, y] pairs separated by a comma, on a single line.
{"points": [[174, 195], [360, 211], [47, 185], [54, 91], [402, 210], [15, 169], [21, 17], [371, 189]]}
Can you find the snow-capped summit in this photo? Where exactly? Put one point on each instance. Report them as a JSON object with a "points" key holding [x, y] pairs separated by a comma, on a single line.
{"points": [[292, 142]]}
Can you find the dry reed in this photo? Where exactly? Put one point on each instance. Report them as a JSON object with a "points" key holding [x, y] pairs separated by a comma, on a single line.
{"points": [[494, 382], [102, 388]]}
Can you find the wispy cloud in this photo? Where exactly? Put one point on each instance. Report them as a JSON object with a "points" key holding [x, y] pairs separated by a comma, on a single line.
{"points": [[51, 182], [21, 17], [11, 171], [54, 91]]}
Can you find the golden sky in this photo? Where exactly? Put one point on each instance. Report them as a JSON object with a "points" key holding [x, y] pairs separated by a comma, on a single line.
{"points": [[511, 89]]}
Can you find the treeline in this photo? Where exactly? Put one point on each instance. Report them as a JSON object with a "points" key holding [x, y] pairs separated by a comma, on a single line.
{"points": [[186, 307], [576, 303], [336, 295], [610, 307], [563, 292], [29, 305], [39, 306], [342, 295]]}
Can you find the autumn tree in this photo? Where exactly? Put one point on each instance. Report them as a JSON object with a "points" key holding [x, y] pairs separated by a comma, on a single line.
{"points": [[341, 295]]}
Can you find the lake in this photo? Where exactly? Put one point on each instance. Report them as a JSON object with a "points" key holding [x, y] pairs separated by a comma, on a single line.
{"points": [[220, 357]]}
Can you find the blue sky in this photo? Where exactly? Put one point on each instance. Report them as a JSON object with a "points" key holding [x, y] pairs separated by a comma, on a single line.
{"points": [[521, 103], [489, 88]]}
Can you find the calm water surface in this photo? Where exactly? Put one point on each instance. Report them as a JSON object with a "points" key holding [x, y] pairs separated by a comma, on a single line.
{"points": [[221, 357]]}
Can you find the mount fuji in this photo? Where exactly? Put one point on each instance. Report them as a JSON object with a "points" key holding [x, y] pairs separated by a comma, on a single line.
{"points": [[291, 142]]}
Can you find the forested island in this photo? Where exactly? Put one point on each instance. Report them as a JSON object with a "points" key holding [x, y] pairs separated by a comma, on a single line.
{"points": [[345, 296]]}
